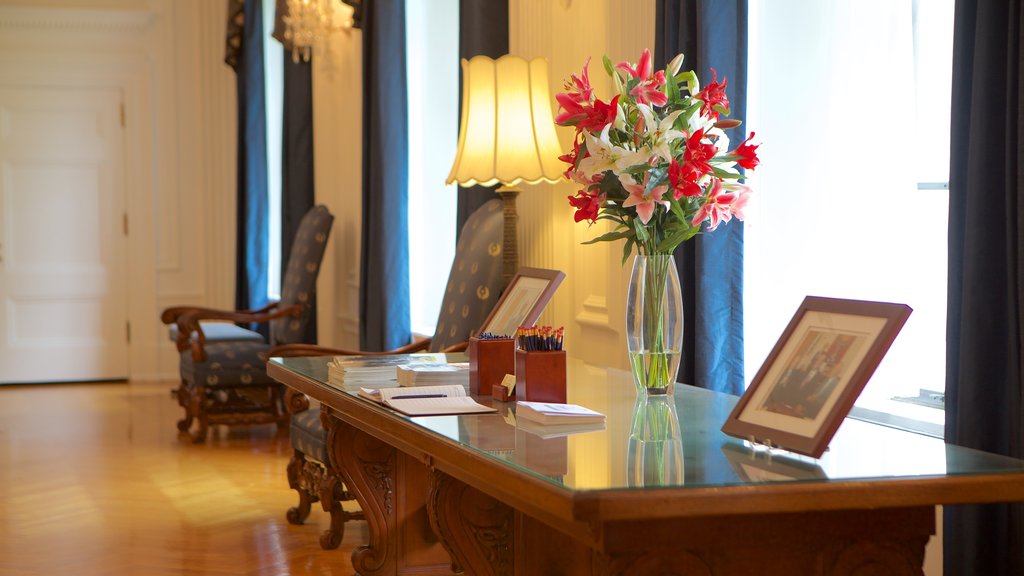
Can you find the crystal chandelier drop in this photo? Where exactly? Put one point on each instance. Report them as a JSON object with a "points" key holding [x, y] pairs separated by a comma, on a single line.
{"points": [[309, 23]]}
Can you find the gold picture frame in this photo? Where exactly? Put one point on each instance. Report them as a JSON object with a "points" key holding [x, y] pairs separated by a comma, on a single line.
{"points": [[522, 301]]}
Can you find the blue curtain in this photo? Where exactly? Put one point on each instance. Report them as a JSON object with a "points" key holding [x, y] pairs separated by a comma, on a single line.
{"points": [[384, 289], [712, 34], [483, 30], [297, 193], [984, 386], [251, 239]]}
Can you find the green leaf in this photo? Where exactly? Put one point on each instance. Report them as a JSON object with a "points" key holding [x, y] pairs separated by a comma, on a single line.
{"points": [[627, 249], [609, 236], [725, 174], [690, 77], [673, 88], [608, 65]]}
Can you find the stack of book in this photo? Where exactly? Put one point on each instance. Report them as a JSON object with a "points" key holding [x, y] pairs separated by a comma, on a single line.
{"points": [[380, 369], [425, 374]]}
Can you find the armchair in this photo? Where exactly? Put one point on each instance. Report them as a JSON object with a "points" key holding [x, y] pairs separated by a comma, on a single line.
{"points": [[474, 285], [223, 379]]}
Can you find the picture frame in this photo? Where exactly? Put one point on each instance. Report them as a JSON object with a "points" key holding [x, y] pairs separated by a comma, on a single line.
{"points": [[751, 465], [522, 301], [815, 372]]}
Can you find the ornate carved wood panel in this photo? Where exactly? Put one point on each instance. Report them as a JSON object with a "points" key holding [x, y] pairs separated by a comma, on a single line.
{"points": [[477, 530]]}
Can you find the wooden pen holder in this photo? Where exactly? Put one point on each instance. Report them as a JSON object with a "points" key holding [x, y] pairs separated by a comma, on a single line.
{"points": [[489, 360], [540, 376]]}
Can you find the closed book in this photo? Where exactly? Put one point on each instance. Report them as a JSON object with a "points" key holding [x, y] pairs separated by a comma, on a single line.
{"points": [[430, 373], [553, 413]]}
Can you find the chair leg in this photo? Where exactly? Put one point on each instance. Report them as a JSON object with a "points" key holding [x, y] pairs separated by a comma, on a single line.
{"points": [[183, 400], [296, 470], [332, 494], [198, 403]]}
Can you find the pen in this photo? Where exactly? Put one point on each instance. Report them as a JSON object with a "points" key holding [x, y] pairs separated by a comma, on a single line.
{"points": [[419, 396]]}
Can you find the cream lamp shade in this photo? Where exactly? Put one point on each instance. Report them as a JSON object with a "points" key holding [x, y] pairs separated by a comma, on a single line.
{"points": [[506, 134]]}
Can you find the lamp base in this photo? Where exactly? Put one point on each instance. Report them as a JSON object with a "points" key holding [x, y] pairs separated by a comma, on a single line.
{"points": [[510, 240]]}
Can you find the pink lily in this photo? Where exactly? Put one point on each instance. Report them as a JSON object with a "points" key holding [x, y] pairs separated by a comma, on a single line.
{"points": [[646, 92], [722, 204], [643, 199]]}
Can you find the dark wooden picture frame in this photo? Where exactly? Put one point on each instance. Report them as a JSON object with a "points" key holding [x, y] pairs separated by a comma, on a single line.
{"points": [[815, 372], [522, 301]]}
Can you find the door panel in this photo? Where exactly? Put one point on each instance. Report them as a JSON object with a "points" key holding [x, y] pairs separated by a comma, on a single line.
{"points": [[63, 308]]}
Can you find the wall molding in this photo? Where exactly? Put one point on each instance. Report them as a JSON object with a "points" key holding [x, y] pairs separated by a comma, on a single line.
{"points": [[56, 18]]}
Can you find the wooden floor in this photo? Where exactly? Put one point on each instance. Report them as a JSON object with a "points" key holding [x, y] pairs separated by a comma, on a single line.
{"points": [[95, 480]]}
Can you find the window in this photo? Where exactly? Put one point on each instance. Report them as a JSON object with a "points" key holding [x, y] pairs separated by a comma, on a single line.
{"points": [[273, 83], [851, 101], [432, 71]]}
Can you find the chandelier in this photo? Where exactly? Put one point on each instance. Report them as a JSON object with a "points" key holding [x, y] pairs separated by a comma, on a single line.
{"points": [[309, 23]]}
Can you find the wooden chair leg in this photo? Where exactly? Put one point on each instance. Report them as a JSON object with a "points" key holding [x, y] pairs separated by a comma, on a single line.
{"points": [[332, 494], [183, 400], [296, 469], [198, 403]]}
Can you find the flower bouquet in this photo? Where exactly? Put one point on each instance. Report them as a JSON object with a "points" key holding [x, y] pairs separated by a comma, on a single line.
{"points": [[656, 162]]}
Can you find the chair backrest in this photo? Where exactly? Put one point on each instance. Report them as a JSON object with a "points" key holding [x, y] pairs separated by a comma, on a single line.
{"points": [[298, 283], [474, 283]]}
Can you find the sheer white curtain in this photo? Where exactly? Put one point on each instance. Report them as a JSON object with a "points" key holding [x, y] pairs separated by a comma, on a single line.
{"points": [[838, 211]]}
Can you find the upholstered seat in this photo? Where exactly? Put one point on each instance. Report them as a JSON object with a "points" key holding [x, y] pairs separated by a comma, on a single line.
{"points": [[474, 285], [223, 377]]}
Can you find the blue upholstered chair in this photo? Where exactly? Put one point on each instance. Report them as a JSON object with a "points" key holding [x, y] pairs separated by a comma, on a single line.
{"points": [[474, 285], [223, 377]]}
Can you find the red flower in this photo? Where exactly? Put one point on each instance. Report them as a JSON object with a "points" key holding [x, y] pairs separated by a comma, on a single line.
{"points": [[747, 153], [599, 115], [683, 179], [646, 92], [578, 87], [587, 205], [714, 98], [698, 153]]}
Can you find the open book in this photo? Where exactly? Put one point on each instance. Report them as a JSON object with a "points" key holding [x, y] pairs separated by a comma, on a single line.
{"points": [[552, 413], [426, 400]]}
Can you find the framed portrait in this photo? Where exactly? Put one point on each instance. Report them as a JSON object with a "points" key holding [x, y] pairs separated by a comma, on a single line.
{"points": [[815, 372], [522, 301]]}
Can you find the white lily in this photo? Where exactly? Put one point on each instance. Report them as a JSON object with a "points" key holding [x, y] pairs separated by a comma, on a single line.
{"points": [[661, 134], [606, 156]]}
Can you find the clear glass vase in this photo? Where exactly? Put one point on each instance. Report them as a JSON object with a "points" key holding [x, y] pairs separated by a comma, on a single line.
{"points": [[654, 323], [654, 455]]}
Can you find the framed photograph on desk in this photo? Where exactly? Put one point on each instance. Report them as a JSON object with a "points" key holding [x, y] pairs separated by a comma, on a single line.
{"points": [[522, 301], [815, 373]]}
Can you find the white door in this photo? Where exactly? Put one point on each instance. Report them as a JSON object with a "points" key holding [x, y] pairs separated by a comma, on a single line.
{"points": [[63, 308]]}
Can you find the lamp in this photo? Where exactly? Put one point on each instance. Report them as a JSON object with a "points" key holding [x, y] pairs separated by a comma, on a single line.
{"points": [[309, 22], [506, 136]]}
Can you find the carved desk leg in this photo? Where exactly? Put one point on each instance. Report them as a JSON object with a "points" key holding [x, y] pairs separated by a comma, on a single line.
{"points": [[367, 466], [477, 530]]}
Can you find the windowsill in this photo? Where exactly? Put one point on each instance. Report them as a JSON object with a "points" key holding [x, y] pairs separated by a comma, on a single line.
{"points": [[898, 421]]}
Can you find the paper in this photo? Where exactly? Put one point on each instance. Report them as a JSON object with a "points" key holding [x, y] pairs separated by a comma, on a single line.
{"points": [[553, 413], [426, 400]]}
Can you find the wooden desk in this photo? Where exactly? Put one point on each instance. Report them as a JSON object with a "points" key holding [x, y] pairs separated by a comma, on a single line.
{"points": [[501, 500]]}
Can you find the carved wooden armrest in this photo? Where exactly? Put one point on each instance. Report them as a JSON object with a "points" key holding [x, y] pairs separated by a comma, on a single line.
{"points": [[189, 323], [291, 350], [294, 401], [171, 315]]}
